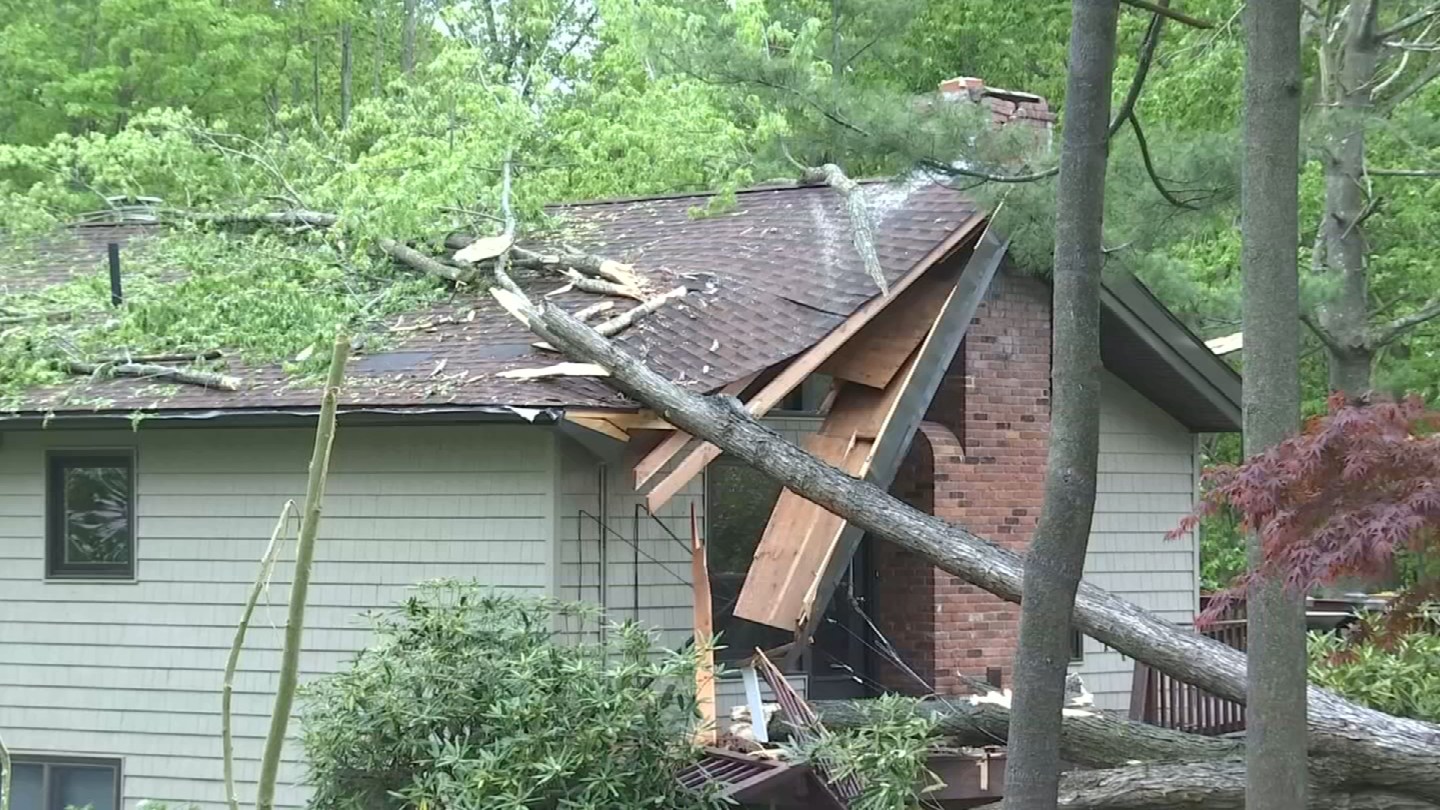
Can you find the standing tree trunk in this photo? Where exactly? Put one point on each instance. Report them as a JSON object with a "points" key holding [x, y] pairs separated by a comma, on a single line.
{"points": [[407, 38], [1345, 318], [1056, 559], [1270, 230], [345, 74]]}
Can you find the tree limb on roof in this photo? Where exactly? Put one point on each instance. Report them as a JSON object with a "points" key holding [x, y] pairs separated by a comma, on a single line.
{"points": [[416, 260], [862, 230], [205, 379]]}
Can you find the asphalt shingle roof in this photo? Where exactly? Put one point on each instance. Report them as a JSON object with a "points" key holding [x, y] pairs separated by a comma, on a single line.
{"points": [[767, 279]]}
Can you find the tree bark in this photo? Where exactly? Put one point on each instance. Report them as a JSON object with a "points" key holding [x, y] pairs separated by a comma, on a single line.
{"points": [[346, 73], [407, 38], [1055, 561], [1346, 316], [1369, 746], [1270, 230], [1196, 786], [300, 586], [1090, 740]]}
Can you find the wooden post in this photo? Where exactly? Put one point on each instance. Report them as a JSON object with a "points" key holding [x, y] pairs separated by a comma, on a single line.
{"points": [[704, 636]]}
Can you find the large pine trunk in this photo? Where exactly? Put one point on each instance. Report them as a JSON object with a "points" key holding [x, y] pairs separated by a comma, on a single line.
{"points": [[1270, 230], [1032, 772]]}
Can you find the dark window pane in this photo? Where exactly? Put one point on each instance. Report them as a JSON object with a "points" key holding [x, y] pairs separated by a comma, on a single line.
{"points": [[739, 501], [91, 521], [27, 789], [83, 787], [97, 515]]}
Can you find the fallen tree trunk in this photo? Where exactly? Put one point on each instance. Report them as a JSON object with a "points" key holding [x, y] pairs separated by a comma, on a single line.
{"points": [[1201, 786], [1090, 739], [1131, 766], [1372, 749]]}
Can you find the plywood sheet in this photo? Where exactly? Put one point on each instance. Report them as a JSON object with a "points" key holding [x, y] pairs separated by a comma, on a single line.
{"points": [[875, 354]]}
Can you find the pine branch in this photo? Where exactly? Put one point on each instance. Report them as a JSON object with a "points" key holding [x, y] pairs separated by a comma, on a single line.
{"points": [[862, 231], [1142, 70], [1330, 342], [204, 379], [1149, 162], [1162, 10], [1398, 327]]}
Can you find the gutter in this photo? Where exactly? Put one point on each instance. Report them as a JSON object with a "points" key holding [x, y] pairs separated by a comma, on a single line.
{"points": [[280, 417]]}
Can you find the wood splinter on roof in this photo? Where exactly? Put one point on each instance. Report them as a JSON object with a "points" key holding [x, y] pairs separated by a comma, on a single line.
{"points": [[626, 319], [557, 370]]}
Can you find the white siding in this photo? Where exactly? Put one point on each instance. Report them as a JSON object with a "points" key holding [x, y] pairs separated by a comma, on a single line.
{"points": [[1146, 485], [133, 669]]}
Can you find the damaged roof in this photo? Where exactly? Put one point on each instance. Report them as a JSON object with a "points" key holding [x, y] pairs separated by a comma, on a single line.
{"points": [[767, 279]]}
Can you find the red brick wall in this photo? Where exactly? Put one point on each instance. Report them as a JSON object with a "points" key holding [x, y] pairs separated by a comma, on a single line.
{"points": [[978, 461]]}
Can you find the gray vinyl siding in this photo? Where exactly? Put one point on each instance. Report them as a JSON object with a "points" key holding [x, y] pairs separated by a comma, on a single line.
{"points": [[133, 669], [1147, 483]]}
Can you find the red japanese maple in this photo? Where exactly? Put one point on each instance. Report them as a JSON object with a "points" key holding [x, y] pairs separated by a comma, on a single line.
{"points": [[1338, 500]]}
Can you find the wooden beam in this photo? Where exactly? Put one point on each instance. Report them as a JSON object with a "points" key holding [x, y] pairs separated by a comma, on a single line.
{"points": [[656, 459], [598, 425], [625, 420], [806, 364], [876, 353], [797, 541], [708, 732]]}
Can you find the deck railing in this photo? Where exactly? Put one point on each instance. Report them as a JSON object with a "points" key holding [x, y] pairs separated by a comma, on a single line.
{"points": [[1161, 700]]}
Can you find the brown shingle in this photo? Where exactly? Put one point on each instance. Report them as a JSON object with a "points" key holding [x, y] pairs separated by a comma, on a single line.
{"points": [[768, 278]]}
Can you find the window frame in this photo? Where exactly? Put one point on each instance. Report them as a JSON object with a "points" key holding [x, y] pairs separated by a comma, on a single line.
{"points": [[48, 762], [1077, 646], [56, 462]]}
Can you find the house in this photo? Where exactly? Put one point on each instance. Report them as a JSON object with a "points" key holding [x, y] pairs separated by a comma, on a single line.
{"points": [[113, 639]]}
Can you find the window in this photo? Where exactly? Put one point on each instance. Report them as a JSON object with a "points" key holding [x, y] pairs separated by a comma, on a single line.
{"points": [[56, 784], [739, 501], [1077, 646], [90, 515]]}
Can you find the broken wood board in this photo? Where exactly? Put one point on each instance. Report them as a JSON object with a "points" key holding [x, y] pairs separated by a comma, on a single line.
{"points": [[797, 540], [805, 364], [793, 577], [557, 370], [602, 426], [709, 730], [801, 536], [874, 356]]}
